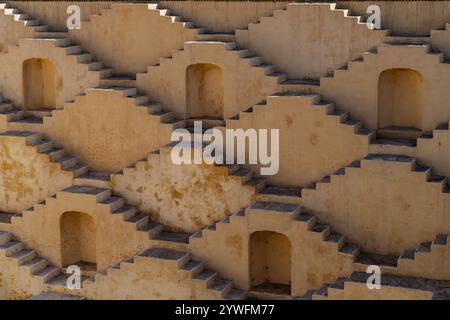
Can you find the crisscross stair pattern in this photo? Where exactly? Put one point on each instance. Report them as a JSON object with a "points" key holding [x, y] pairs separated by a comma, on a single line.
{"points": [[194, 270]]}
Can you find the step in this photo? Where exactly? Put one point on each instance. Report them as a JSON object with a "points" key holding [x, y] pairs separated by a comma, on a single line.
{"points": [[406, 147], [126, 212], [324, 230], [47, 273], [277, 208], [222, 286], [11, 247], [94, 179], [23, 255], [51, 34], [243, 173], [4, 237], [114, 203], [236, 294], [177, 237], [223, 37], [399, 133], [300, 85], [139, 220], [322, 293], [289, 195], [193, 266], [6, 217], [270, 291], [101, 194], [31, 138], [408, 39], [118, 81], [376, 259], [181, 257], [36, 264], [206, 276]]}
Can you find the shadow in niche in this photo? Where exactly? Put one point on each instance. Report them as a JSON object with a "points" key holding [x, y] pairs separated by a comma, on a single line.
{"points": [[270, 265], [78, 241]]}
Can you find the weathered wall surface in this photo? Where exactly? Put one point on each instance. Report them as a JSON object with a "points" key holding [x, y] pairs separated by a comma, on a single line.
{"points": [[384, 206], [12, 31], [227, 250], [434, 152], [147, 278], [106, 130], [16, 283], [182, 197], [440, 40], [243, 85], [125, 37], [70, 77], [357, 89], [54, 13], [403, 17], [322, 144], [223, 16], [40, 228], [27, 176], [309, 40]]}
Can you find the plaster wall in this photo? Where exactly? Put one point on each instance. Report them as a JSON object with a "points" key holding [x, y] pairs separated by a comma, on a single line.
{"points": [[182, 197]]}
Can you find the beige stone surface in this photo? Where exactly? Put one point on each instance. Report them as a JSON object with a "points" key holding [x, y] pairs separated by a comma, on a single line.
{"points": [[337, 39], [106, 129], [391, 207], [152, 229], [322, 142], [182, 197], [124, 37], [243, 85], [27, 176]]}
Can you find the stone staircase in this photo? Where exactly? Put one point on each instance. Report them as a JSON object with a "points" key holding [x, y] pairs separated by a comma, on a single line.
{"points": [[26, 258], [439, 289], [410, 161], [253, 61], [424, 249], [54, 153], [129, 214], [210, 279], [317, 101], [108, 80], [286, 201], [202, 33], [22, 18], [234, 170]]}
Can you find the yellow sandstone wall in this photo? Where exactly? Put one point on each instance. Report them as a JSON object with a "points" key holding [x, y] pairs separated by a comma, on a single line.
{"points": [[384, 206], [106, 130], [70, 78], [322, 142], [124, 37], [357, 89], [182, 197], [285, 39], [243, 85], [27, 176]]}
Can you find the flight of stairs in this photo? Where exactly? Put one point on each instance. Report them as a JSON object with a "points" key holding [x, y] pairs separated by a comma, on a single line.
{"points": [[317, 101], [129, 214], [46, 147], [208, 278], [439, 289], [108, 80], [27, 258]]}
